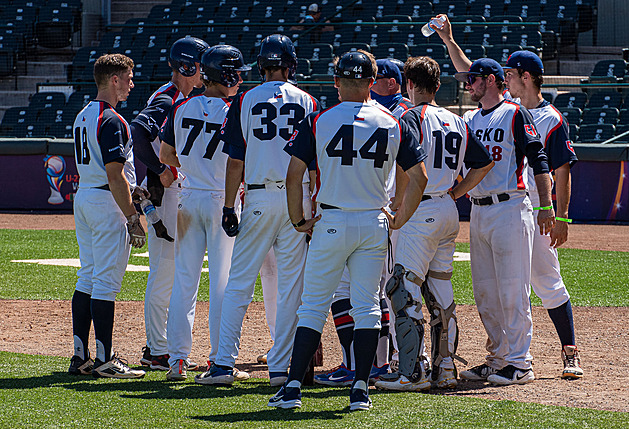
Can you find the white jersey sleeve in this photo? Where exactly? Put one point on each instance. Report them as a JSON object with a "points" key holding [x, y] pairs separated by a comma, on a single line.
{"points": [[101, 136], [258, 126], [193, 129], [356, 145]]}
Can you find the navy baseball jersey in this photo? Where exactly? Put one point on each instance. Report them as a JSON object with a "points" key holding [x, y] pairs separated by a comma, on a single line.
{"points": [[193, 129], [448, 143], [258, 125], [401, 106], [152, 117], [101, 136], [356, 144], [555, 135], [508, 132]]}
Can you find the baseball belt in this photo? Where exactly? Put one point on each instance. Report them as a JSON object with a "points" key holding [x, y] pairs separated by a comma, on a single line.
{"points": [[487, 201]]}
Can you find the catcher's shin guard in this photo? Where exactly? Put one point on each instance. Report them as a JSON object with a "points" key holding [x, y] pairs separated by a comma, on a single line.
{"points": [[441, 321], [409, 332]]}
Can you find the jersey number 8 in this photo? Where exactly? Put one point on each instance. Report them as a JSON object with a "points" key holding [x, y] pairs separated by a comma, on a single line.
{"points": [[80, 146]]}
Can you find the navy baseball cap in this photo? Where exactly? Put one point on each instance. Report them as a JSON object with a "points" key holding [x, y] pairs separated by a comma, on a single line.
{"points": [[525, 60], [482, 67], [387, 68]]}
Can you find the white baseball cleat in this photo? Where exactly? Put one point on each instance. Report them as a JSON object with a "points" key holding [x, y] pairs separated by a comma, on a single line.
{"points": [[178, 371], [402, 383], [115, 368], [446, 379], [571, 363]]}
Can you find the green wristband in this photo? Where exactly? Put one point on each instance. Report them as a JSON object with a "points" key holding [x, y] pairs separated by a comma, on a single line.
{"points": [[563, 219], [543, 208]]}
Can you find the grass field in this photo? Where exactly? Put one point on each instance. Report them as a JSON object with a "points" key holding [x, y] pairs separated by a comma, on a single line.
{"points": [[50, 398], [37, 392], [594, 278]]}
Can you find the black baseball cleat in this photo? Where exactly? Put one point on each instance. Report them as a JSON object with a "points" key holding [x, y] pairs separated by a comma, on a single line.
{"points": [[79, 366], [147, 358], [359, 397], [512, 375], [287, 398]]}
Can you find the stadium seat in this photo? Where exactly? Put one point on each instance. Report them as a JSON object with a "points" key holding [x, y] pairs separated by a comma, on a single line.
{"points": [[43, 100], [609, 70], [414, 9], [485, 9], [303, 68], [12, 117], [605, 99], [571, 99], [448, 93], [391, 50], [316, 52], [573, 115], [596, 133], [349, 47], [600, 116], [623, 119], [501, 53], [620, 129], [473, 52], [574, 132], [322, 69], [434, 51]]}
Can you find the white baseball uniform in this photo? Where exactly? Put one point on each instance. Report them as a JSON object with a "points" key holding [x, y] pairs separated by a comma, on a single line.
{"points": [[161, 252], [546, 277], [193, 129], [501, 231], [426, 242], [357, 145], [101, 136], [258, 125]]}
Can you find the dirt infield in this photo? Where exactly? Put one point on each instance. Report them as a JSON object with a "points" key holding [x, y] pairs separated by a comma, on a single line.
{"points": [[44, 327]]}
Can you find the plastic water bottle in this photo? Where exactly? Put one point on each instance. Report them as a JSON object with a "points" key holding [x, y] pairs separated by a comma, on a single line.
{"points": [[427, 30], [149, 211]]}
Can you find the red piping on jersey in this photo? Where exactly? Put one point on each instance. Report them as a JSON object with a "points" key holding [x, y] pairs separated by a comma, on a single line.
{"points": [[556, 127], [226, 100], [518, 173], [314, 121], [170, 85], [421, 120], [126, 126], [388, 112], [317, 188], [314, 102], [517, 109], [101, 110]]}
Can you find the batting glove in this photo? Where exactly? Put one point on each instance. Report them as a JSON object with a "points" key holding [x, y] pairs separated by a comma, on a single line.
{"points": [[136, 232], [230, 221], [139, 194]]}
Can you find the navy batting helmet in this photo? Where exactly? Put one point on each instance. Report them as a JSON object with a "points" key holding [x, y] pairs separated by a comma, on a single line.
{"points": [[184, 53], [354, 65], [277, 50], [221, 63]]}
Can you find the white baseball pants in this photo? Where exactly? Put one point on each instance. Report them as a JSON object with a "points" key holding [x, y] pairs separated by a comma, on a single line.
{"points": [[104, 249], [501, 242], [161, 275], [198, 228], [264, 224]]}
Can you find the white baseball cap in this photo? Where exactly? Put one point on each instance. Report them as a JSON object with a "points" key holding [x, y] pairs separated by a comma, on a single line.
{"points": [[313, 8]]}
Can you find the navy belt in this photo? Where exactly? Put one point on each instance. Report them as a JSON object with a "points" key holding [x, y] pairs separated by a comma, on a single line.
{"points": [[253, 187], [426, 197], [104, 187], [325, 206], [487, 201]]}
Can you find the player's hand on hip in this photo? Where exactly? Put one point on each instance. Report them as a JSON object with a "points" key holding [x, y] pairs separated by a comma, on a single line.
{"points": [[230, 221], [393, 222], [139, 194], [137, 236], [559, 234], [546, 221], [395, 204], [308, 225], [167, 177]]}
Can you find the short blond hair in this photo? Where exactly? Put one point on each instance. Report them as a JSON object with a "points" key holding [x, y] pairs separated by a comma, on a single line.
{"points": [[109, 65]]}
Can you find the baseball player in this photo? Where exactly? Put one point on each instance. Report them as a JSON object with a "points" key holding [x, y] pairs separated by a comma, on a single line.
{"points": [[386, 91], [425, 246], [553, 128], [185, 55], [356, 144], [107, 223], [523, 76], [190, 139], [258, 125], [501, 224]]}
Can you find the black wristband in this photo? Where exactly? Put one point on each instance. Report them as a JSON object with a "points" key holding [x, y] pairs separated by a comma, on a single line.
{"points": [[300, 223], [228, 210]]}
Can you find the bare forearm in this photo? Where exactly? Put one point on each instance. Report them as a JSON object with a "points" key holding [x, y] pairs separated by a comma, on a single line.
{"points": [[401, 182], [458, 57], [473, 178], [233, 179], [543, 183], [168, 155], [294, 189], [563, 190]]}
